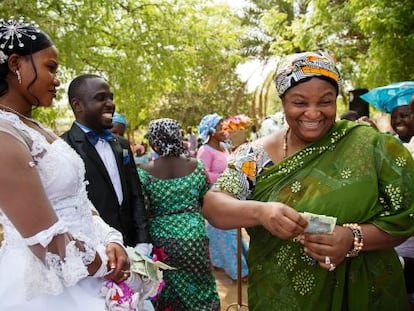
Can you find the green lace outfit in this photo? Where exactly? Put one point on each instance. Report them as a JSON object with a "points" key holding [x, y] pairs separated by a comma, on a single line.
{"points": [[356, 174], [177, 228]]}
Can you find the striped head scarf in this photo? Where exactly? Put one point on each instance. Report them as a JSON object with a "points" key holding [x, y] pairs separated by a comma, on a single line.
{"points": [[297, 67], [166, 136]]}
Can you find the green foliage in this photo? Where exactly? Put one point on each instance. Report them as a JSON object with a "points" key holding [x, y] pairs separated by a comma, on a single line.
{"points": [[177, 58], [158, 56], [390, 26], [372, 40]]}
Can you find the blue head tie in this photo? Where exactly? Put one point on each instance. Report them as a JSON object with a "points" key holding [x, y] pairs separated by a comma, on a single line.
{"points": [[208, 125], [119, 118], [387, 98]]}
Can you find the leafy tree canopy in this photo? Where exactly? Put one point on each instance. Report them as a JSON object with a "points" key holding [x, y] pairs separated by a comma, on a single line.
{"points": [[162, 58], [177, 58], [371, 40]]}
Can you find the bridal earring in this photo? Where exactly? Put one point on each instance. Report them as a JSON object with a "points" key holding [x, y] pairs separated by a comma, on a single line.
{"points": [[19, 77]]}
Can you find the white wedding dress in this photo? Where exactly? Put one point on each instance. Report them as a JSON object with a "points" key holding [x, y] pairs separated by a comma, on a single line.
{"points": [[25, 282]]}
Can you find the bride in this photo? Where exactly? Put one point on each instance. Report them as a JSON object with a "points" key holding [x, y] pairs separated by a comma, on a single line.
{"points": [[56, 249]]}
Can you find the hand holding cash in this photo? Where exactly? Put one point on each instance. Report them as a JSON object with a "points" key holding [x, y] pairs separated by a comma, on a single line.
{"points": [[319, 223]]}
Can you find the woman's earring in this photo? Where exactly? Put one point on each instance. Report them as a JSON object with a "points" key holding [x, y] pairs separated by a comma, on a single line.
{"points": [[19, 77]]}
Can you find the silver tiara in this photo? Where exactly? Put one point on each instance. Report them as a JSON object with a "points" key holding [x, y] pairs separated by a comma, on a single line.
{"points": [[12, 31]]}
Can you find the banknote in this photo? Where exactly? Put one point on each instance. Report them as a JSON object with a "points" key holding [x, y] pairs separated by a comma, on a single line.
{"points": [[319, 223]]}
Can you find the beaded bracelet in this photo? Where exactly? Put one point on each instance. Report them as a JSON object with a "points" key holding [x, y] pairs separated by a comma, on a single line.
{"points": [[358, 239]]}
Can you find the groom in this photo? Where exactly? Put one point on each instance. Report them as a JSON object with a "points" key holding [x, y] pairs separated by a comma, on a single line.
{"points": [[113, 184]]}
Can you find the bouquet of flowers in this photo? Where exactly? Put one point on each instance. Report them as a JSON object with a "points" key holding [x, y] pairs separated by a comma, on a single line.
{"points": [[144, 282]]}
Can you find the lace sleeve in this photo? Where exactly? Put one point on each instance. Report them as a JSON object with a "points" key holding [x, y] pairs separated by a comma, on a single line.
{"points": [[51, 275], [107, 233], [7, 127], [19, 132], [45, 237]]}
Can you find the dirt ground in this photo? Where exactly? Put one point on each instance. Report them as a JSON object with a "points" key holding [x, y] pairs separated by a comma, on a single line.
{"points": [[228, 291]]}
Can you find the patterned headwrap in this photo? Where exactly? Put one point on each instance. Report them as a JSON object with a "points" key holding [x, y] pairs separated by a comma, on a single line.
{"points": [[119, 118], [297, 67], [166, 136], [208, 125]]}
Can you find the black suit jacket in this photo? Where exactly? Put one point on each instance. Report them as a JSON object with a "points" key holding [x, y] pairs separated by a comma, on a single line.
{"points": [[131, 217]]}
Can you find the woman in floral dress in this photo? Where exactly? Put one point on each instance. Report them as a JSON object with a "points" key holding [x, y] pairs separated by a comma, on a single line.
{"points": [[174, 186]]}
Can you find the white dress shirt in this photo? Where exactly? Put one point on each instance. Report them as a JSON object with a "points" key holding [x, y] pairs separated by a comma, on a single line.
{"points": [[108, 158]]}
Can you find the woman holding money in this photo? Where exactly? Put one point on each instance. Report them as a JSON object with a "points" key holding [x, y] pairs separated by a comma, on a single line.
{"points": [[324, 202]]}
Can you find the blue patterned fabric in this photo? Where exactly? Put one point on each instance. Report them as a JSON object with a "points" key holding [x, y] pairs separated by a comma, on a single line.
{"points": [[207, 126], [389, 97], [119, 118], [223, 251]]}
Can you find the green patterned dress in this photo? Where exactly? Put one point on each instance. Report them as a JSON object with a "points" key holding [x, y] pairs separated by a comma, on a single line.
{"points": [[177, 228], [355, 174]]}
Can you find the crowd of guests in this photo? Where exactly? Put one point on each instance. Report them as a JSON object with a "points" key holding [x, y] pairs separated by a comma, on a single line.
{"points": [[83, 214]]}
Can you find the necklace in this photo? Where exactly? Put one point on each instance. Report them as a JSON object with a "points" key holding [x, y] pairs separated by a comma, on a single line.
{"points": [[33, 123], [17, 113], [285, 144]]}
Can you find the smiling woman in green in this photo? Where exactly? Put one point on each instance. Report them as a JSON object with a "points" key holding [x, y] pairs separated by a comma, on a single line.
{"points": [[350, 171]]}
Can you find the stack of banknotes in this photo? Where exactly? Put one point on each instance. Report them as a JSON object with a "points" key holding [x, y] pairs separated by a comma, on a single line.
{"points": [[319, 223]]}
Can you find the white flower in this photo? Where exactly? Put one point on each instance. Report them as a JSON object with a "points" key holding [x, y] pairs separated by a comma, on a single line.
{"points": [[3, 57], [296, 186], [400, 161], [346, 173]]}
